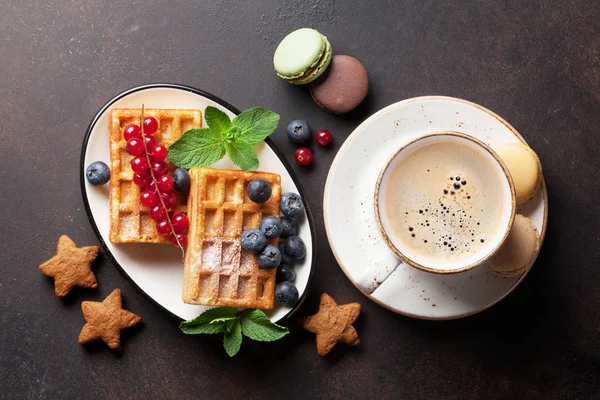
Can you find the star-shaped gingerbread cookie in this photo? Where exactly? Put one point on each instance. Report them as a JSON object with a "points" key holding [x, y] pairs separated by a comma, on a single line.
{"points": [[332, 324], [105, 320], [71, 266]]}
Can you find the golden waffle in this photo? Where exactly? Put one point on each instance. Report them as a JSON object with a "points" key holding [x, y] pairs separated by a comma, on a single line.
{"points": [[130, 221], [217, 271]]}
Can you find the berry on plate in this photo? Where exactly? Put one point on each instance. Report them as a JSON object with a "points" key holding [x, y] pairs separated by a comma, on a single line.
{"points": [[165, 183], [285, 259], [182, 180], [291, 205], [270, 257], [271, 226], [303, 156], [253, 240], [285, 273], [159, 168], [294, 248], [159, 152], [140, 166], [135, 147], [163, 227], [158, 213], [286, 293], [132, 131], [289, 227], [148, 198], [169, 198], [97, 173], [150, 125], [259, 190], [180, 222]]}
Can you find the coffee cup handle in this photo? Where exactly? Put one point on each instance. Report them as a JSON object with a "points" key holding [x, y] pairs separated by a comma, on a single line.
{"points": [[378, 271]]}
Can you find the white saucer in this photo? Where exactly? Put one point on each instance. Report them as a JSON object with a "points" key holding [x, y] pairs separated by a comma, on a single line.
{"points": [[349, 211], [157, 270]]}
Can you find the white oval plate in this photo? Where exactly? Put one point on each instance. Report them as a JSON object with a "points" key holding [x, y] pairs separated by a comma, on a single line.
{"points": [[349, 211], [157, 270]]}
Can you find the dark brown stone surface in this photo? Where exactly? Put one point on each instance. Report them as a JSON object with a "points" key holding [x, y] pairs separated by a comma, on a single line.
{"points": [[536, 63]]}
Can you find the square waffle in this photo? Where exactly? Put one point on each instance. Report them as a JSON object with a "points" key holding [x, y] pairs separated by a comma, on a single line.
{"points": [[217, 272], [130, 221]]}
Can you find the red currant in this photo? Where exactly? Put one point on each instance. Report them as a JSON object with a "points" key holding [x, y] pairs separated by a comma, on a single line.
{"points": [[159, 168], [152, 186], [141, 180], [140, 165], [148, 198], [163, 227], [132, 131], [165, 183], [135, 147], [182, 238], [159, 152], [180, 222], [324, 137], [150, 143], [150, 125], [158, 213], [169, 198], [303, 156]]}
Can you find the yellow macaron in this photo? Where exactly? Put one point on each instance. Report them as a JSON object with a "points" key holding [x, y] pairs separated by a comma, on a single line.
{"points": [[519, 249], [524, 167]]}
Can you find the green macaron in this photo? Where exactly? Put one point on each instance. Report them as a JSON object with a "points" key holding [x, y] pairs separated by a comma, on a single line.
{"points": [[302, 56]]}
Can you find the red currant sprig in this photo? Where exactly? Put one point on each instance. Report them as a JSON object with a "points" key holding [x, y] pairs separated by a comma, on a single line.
{"points": [[152, 174]]}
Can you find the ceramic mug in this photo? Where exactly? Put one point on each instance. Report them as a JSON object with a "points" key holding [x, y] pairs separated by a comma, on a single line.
{"points": [[494, 187]]}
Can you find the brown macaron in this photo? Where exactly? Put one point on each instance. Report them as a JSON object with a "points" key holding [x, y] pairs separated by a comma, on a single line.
{"points": [[342, 87]]}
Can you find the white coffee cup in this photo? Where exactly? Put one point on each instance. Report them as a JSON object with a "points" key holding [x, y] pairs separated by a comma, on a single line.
{"points": [[404, 184]]}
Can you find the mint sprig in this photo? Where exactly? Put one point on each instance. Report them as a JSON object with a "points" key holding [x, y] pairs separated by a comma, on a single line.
{"points": [[251, 323], [237, 137]]}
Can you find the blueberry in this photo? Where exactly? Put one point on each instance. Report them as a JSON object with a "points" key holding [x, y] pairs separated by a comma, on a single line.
{"points": [[291, 205], [285, 273], [182, 180], [294, 248], [270, 257], [298, 131], [253, 240], [285, 259], [289, 228], [259, 190], [271, 226], [286, 293], [97, 173]]}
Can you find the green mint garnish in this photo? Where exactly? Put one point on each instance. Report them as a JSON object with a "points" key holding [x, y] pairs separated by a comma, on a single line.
{"points": [[257, 326], [253, 324], [206, 146], [232, 339]]}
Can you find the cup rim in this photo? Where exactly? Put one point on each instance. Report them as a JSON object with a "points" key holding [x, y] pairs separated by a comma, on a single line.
{"points": [[482, 260]]}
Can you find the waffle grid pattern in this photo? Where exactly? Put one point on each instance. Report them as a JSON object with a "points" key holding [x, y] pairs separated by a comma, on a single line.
{"points": [[130, 221], [217, 271]]}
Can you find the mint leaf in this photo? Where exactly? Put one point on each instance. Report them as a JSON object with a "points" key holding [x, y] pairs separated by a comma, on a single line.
{"points": [[242, 154], [230, 324], [197, 148], [232, 340], [255, 124], [216, 119], [202, 323], [222, 320], [257, 326]]}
